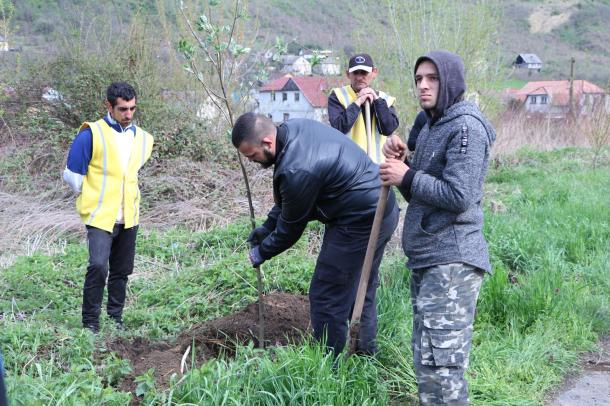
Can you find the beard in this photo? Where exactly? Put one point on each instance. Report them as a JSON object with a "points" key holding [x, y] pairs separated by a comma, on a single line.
{"points": [[269, 159]]}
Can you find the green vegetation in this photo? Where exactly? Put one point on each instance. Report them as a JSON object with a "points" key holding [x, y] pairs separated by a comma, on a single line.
{"points": [[547, 301], [509, 84]]}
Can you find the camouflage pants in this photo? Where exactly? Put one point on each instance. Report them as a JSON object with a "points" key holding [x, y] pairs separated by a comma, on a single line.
{"points": [[444, 299]]}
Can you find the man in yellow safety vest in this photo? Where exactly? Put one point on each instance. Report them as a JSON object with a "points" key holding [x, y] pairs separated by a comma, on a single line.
{"points": [[102, 168], [346, 105]]}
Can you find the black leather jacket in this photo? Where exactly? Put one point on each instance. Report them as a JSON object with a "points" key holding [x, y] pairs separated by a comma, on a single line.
{"points": [[319, 174]]}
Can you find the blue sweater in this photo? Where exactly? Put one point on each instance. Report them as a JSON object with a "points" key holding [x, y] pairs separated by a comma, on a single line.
{"points": [[81, 150]]}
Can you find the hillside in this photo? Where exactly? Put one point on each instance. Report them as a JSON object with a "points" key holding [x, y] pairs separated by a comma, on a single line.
{"points": [[556, 30]]}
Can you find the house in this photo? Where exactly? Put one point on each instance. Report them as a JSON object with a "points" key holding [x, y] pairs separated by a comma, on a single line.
{"points": [[296, 97], [529, 61], [296, 65], [3, 44], [329, 66], [552, 97]]}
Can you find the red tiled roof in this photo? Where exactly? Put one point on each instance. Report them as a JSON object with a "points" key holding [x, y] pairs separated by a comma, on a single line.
{"points": [[559, 90], [315, 88]]}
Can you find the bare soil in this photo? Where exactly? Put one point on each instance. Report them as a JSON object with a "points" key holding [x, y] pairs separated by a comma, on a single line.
{"points": [[591, 387], [286, 321]]}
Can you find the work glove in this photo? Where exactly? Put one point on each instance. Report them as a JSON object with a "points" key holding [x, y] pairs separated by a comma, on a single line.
{"points": [[255, 257], [257, 235]]}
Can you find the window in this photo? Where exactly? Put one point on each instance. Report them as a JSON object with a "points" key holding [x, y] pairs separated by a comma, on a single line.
{"points": [[272, 96], [286, 116], [284, 96], [542, 99], [296, 96], [532, 99]]}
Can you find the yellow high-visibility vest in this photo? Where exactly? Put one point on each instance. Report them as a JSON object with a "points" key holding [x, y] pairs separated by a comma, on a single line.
{"points": [[100, 199], [346, 96]]}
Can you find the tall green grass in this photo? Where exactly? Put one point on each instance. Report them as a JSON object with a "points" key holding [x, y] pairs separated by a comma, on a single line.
{"points": [[546, 302]]}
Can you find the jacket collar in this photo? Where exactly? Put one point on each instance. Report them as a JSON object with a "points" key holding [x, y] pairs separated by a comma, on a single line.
{"points": [[117, 127], [281, 142]]}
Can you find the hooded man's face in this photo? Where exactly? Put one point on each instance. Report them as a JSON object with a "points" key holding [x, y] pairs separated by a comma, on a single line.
{"points": [[427, 82]]}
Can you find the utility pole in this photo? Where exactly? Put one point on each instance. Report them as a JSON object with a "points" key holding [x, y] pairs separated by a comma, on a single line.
{"points": [[571, 106]]}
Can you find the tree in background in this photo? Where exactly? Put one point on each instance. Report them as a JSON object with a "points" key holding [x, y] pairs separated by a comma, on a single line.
{"points": [[218, 59], [596, 128], [7, 9], [415, 27]]}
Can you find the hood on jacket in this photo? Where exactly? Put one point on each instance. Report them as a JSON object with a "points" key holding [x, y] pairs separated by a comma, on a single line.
{"points": [[452, 84]]}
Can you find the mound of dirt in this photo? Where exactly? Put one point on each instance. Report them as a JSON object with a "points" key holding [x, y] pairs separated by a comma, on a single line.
{"points": [[286, 321]]}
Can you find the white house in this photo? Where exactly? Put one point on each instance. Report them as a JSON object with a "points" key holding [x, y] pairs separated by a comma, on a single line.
{"points": [[296, 65], [328, 67], [3, 44], [295, 97], [552, 97]]}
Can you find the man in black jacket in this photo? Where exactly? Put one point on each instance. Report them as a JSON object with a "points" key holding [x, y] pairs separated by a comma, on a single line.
{"points": [[321, 175], [346, 105]]}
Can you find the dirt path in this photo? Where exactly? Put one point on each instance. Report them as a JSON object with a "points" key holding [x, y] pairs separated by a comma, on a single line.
{"points": [[592, 387]]}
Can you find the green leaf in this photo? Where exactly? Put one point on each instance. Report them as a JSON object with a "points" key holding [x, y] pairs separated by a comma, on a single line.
{"points": [[186, 48]]}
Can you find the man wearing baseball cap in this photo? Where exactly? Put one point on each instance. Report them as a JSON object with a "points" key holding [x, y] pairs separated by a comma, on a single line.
{"points": [[346, 105]]}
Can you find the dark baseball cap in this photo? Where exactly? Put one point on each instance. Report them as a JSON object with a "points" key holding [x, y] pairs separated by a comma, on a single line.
{"points": [[360, 62]]}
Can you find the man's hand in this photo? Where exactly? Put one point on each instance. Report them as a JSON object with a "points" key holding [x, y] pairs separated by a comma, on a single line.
{"points": [[394, 148], [366, 94], [392, 171], [257, 235], [255, 257]]}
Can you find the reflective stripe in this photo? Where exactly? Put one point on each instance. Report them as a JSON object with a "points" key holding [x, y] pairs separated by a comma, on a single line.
{"points": [[99, 203], [143, 146], [347, 103], [135, 207]]}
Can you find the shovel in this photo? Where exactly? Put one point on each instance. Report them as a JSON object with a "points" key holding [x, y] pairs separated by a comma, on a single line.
{"points": [[354, 330]]}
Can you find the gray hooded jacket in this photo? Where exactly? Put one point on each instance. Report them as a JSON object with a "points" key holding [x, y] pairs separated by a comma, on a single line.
{"points": [[444, 185]]}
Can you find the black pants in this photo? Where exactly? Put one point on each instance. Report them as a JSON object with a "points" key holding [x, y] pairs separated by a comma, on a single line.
{"points": [[3, 399], [111, 256], [335, 283]]}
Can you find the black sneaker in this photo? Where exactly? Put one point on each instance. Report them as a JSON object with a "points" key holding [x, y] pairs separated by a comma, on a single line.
{"points": [[94, 328], [118, 323]]}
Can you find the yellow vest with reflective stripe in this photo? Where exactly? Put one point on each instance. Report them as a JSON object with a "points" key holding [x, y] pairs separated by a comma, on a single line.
{"points": [[100, 199], [346, 96]]}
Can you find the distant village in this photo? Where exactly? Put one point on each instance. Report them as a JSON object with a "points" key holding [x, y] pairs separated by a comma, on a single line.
{"points": [[300, 89], [298, 86]]}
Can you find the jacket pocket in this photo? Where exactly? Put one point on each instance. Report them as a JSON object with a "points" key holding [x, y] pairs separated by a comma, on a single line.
{"points": [[436, 222], [443, 340]]}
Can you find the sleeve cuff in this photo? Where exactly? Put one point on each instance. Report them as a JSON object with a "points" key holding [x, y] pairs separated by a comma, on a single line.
{"points": [[405, 185]]}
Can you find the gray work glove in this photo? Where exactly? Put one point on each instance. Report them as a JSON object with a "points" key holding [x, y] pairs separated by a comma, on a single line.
{"points": [[258, 235], [255, 257]]}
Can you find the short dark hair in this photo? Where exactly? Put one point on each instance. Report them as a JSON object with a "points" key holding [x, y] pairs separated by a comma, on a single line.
{"points": [[120, 89], [250, 127]]}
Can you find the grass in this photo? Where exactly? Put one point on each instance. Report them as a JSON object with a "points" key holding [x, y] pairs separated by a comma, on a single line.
{"points": [[546, 302], [509, 84]]}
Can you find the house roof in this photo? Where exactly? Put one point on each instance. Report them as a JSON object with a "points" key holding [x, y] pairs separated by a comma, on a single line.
{"points": [[559, 90], [314, 88], [530, 58]]}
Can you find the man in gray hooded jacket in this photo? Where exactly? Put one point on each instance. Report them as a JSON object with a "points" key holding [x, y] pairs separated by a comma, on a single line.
{"points": [[443, 229]]}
